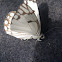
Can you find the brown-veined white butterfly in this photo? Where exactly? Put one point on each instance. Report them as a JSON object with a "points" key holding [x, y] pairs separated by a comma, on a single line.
{"points": [[25, 22]]}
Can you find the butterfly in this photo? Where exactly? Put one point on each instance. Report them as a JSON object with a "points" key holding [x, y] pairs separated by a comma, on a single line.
{"points": [[25, 22]]}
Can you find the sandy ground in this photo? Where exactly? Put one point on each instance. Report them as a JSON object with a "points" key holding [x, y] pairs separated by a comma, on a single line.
{"points": [[47, 50]]}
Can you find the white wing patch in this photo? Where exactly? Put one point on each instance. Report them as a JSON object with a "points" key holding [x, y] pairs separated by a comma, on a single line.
{"points": [[20, 11], [22, 24], [33, 5], [7, 21]]}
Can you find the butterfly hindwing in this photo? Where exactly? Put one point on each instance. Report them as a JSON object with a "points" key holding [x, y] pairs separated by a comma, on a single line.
{"points": [[23, 23]]}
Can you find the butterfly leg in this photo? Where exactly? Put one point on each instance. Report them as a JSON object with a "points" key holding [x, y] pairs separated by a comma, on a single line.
{"points": [[7, 21]]}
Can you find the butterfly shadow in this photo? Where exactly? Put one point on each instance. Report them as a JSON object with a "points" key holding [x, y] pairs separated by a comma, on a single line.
{"points": [[45, 22], [44, 19], [48, 49]]}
